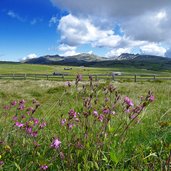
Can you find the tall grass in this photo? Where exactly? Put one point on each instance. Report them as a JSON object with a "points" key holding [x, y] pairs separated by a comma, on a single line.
{"points": [[87, 126]]}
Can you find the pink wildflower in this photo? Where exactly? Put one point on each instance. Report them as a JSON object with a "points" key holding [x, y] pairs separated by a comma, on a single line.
{"points": [[13, 103], [151, 98], [72, 113], [101, 117], [128, 101], [63, 121], [14, 118], [56, 143], [42, 125], [95, 113], [18, 124], [44, 167]]}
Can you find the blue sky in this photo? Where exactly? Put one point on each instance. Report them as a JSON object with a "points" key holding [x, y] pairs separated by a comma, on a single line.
{"points": [[32, 28]]}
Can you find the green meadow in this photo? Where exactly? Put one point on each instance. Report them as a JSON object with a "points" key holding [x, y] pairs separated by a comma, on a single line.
{"points": [[83, 125]]}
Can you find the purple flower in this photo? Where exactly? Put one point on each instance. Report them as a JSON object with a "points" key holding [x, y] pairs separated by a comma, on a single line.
{"points": [[21, 107], [18, 124], [29, 130], [42, 125], [101, 117], [63, 121], [128, 101], [13, 103], [14, 118], [151, 98], [95, 113], [70, 125], [68, 84], [6, 107], [34, 134], [22, 101], [72, 113], [44, 167], [36, 121], [56, 143], [106, 111]]}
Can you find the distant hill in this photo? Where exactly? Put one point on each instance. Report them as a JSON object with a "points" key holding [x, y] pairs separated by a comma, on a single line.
{"points": [[124, 60]]}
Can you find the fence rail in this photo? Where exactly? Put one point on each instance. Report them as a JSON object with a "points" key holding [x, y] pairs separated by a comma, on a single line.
{"points": [[96, 77]]}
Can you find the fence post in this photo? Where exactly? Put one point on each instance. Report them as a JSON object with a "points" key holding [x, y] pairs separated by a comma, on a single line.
{"points": [[96, 78], [35, 77], [47, 77], [113, 77], [13, 76], [63, 77], [135, 78], [25, 76], [154, 77]]}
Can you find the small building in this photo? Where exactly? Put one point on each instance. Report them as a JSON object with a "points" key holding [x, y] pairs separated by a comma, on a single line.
{"points": [[116, 73], [67, 68]]}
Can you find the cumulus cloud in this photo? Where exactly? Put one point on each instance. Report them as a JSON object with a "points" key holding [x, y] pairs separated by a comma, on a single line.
{"points": [[153, 49], [75, 31], [145, 24], [111, 8], [30, 56], [67, 50], [117, 52]]}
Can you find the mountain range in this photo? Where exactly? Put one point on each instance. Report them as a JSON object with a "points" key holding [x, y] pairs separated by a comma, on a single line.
{"points": [[124, 60]]}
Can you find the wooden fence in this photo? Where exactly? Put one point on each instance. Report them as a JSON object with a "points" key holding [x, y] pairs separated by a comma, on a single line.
{"points": [[96, 77]]}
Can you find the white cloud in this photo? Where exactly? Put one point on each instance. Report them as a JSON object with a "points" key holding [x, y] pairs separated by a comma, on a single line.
{"points": [[14, 15], [142, 22], [117, 52], [69, 53], [30, 56], [168, 53], [65, 47], [75, 31], [153, 49], [52, 21], [67, 50]]}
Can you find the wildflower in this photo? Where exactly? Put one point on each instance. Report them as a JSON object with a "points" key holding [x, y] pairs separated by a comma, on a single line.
{"points": [[63, 121], [36, 121], [151, 98], [6, 107], [13, 103], [95, 113], [42, 125], [22, 101], [34, 134], [56, 143], [21, 107], [128, 101], [106, 111], [44, 167], [72, 113], [68, 84], [14, 118], [18, 124], [70, 125], [101, 117], [77, 119], [29, 130]]}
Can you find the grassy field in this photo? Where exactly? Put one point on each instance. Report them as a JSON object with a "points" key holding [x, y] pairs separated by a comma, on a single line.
{"points": [[45, 69], [104, 132]]}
